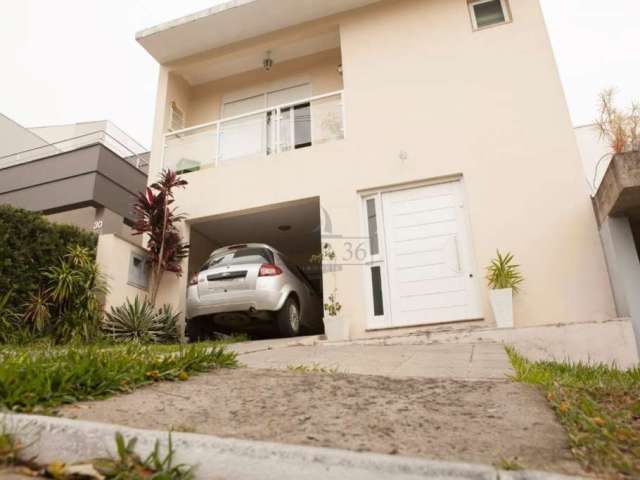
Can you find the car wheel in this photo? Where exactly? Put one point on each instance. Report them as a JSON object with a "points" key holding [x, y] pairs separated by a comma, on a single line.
{"points": [[289, 318], [194, 330]]}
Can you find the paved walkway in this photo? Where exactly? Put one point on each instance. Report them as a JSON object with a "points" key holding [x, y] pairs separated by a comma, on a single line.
{"points": [[478, 361]]}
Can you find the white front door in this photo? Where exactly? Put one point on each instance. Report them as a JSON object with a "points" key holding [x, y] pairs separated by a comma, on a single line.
{"points": [[428, 259]]}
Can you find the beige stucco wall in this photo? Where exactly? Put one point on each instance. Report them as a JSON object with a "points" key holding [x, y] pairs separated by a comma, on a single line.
{"points": [[488, 105], [113, 256]]}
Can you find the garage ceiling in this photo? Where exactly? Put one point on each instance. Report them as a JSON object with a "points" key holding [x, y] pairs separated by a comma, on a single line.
{"points": [[262, 227]]}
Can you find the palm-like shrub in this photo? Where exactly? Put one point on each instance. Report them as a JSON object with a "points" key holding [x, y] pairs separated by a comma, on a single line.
{"points": [[503, 273], [140, 321], [69, 306]]}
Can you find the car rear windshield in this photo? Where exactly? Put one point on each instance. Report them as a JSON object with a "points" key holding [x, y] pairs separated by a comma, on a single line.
{"points": [[238, 257]]}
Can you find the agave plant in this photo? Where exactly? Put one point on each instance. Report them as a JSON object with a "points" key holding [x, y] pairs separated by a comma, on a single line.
{"points": [[502, 273], [139, 321]]}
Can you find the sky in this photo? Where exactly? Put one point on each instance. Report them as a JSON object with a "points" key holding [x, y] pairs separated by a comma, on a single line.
{"points": [[68, 61]]}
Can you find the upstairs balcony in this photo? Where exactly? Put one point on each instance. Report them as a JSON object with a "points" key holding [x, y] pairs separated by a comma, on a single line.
{"points": [[258, 133]]}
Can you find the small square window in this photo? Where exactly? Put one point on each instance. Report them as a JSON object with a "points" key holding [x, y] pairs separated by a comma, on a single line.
{"points": [[138, 271], [486, 13]]}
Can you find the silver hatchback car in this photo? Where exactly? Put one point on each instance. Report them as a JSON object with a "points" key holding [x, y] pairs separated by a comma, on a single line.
{"points": [[243, 286]]}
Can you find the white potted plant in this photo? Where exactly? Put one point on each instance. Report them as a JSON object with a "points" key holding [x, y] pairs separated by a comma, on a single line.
{"points": [[504, 279], [335, 328]]}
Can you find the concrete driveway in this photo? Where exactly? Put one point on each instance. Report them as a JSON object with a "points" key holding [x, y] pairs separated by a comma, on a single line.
{"points": [[473, 361]]}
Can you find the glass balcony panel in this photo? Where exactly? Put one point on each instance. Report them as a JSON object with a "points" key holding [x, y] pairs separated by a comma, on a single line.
{"points": [[191, 150], [243, 137], [327, 119], [268, 132]]}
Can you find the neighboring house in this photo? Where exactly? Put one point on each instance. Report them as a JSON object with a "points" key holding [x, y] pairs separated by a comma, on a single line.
{"points": [[614, 182], [82, 174], [416, 137]]}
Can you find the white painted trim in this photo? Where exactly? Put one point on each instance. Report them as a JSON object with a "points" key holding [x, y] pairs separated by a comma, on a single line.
{"points": [[394, 187], [379, 260]]}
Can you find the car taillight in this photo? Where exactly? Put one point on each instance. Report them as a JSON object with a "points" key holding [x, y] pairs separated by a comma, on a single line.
{"points": [[269, 270], [194, 279]]}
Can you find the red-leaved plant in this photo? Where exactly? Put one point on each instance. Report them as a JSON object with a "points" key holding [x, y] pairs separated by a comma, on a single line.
{"points": [[156, 218]]}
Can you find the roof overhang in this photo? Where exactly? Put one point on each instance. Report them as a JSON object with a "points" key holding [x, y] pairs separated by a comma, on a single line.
{"points": [[232, 22]]}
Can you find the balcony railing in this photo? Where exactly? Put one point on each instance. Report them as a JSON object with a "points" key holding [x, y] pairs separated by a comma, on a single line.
{"points": [[270, 131], [69, 144]]}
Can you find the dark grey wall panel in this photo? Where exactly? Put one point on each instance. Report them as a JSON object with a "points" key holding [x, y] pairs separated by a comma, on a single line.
{"points": [[121, 172], [91, 175], [57, 167], [53, 196], [113, 196]]}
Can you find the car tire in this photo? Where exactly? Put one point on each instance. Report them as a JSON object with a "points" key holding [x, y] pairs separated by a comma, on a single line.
{"points": [[194, 330], [289, 318]]}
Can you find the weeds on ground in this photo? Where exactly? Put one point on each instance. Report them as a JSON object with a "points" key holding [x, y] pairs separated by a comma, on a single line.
{"points": [[129, 465], [39, 378], [125, 465], [313, 368], [599, 406], [9, 447], [509, 464]]}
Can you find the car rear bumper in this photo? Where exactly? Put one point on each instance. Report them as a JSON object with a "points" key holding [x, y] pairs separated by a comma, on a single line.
{"points": [[234, 301]]}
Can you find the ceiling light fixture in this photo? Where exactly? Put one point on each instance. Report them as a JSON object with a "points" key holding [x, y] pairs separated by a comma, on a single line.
{"points": [[267, 63], [284, 228]]}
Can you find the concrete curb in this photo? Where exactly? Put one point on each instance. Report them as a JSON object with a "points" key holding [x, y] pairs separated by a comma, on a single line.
{"points": [[51, 438]]}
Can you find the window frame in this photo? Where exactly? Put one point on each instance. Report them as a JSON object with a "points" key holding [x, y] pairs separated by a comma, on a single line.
{"points": [[138, 273], [506, 10]]}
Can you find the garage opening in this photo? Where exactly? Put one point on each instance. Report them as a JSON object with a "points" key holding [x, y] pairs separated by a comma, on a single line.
{"points": [[256, 272]]}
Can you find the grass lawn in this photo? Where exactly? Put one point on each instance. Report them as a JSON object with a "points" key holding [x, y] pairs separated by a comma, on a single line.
{"points": [[40, 377], [599, 407]]}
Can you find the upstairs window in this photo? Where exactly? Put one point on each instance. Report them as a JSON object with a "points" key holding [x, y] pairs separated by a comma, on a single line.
{"points": [[487, 13]]}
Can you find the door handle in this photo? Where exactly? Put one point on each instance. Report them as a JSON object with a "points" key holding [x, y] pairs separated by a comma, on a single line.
{"points": [[455, 246]]}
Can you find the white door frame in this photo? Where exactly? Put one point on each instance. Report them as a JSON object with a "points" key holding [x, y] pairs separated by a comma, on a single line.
{"points": [[467, 254]]}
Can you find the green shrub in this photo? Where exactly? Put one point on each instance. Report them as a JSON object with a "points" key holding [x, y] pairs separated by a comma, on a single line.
{"points": [[140, 321], [69, 304], [30, 244]]}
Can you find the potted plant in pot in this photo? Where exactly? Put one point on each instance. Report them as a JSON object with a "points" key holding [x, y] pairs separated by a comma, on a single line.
{"points": [[504, 278], [335, 328]]}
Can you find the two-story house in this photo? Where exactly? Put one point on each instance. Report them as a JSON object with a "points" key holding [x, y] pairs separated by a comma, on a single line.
{"points": [[415, 136]]}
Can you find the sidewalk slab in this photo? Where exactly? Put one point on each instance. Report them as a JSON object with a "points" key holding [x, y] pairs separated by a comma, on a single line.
{"points": [[53, 439], [469, 361]]}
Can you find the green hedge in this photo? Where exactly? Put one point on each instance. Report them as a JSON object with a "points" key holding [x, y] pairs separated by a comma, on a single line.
{"points": [[29, 243]]}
